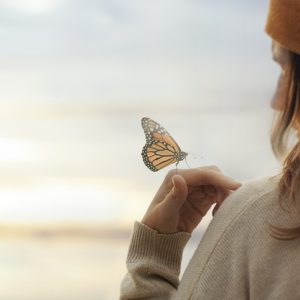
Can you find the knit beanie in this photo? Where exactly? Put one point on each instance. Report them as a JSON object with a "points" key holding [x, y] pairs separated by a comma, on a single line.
{"points": [[283, 23]]}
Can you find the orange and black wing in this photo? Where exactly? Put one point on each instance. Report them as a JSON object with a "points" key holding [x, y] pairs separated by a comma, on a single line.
{"points": [[158, 154], [155, 132]]}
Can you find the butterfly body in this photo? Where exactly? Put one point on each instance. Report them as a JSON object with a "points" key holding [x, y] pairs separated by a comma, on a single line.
{"points": [[160, 149]]}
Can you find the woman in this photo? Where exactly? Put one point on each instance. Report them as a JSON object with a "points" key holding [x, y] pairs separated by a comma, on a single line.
{"points": [[251, 249]]}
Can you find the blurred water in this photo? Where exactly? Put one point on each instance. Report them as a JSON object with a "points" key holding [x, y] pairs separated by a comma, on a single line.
{"points": [[33, 269], [63, 269]]}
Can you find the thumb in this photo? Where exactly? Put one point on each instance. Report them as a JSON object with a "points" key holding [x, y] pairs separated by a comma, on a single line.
{"points": [[177, 196]]}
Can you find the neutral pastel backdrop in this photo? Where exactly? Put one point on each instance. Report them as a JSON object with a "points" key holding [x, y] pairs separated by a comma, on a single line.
{"points": [[76, 78]]}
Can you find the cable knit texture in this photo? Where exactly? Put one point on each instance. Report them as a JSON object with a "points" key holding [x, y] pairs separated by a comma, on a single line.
{"points": [[283, 23], [236, 258]]}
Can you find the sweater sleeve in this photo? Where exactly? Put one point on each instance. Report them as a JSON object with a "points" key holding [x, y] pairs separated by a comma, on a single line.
{"points": [[153, 264]]}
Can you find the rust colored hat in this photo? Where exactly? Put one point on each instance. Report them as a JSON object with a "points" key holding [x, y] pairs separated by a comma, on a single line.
{"points": [[283, 23]]}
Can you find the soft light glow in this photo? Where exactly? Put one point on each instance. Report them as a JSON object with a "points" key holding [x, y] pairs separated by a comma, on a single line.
{"points": [[32, 6], [108, 202], [17, 150]]}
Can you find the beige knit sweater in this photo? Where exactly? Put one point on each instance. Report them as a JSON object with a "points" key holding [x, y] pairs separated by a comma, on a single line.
{"points": [[236, 258]]}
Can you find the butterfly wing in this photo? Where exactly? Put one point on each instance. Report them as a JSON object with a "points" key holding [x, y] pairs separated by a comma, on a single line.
{"points": [[154, 131], [158, 154]]}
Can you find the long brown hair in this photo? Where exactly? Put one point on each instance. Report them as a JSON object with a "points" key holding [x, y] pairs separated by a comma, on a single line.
{"points": [[287, 119]]}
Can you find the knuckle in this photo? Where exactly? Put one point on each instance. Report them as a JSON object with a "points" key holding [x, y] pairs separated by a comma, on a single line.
{"points": [[212, 167], [168, 179], [170, 174]]}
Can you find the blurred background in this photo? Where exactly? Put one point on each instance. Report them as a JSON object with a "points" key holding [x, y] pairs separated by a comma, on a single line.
{"points": [[76, 77]]}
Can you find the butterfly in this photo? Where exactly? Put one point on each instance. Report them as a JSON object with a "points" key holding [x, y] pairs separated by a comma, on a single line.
{"points": [[160, 149]]}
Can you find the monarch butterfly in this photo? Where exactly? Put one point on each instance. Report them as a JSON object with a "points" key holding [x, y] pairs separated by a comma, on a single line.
{"points": [[160, 149]]}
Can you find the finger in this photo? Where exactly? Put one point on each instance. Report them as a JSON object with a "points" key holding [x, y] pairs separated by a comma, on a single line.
{"points": [[200, 202], [215, 209], [210, 190], [205, 176], [178, 195], [222, 194]]}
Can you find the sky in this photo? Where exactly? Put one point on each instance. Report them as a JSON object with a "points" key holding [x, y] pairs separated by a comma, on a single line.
{"points": [[123, 53], [77, 76]]}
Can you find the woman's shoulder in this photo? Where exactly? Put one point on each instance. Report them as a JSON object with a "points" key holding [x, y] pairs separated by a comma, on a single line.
{"points": [[246, 209], [236, 255], [232, 232], [259, 190], [249, 200], [258, 186]]}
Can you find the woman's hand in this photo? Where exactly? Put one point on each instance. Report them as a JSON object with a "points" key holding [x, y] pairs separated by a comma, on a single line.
{"points": [[184, 198]]}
